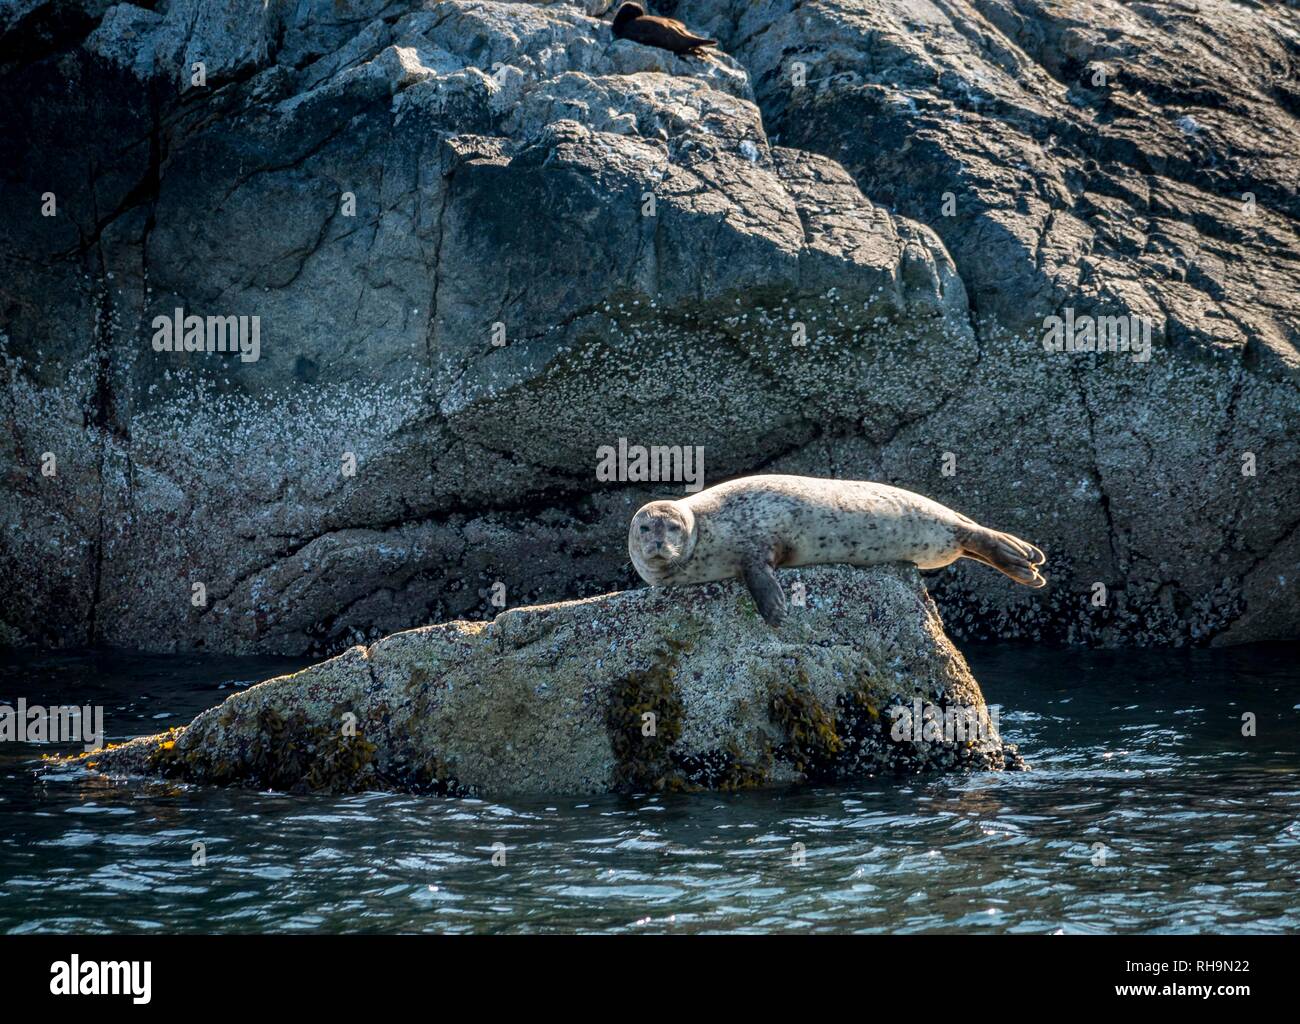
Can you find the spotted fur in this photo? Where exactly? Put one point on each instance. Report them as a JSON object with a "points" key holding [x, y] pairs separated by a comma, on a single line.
{"points": [[748, 528]]}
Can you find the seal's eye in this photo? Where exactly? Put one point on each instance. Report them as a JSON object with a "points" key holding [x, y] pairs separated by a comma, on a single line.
{"points": [[645, 528]]}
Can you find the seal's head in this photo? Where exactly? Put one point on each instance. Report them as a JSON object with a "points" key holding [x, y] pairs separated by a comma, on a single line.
{"points": [[627, 13], [660, 539]]}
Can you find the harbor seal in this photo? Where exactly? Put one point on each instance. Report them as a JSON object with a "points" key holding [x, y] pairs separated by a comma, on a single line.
{"points": [[748, 528]]}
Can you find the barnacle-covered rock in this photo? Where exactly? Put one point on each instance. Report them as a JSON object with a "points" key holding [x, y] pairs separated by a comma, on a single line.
{"points": [[656, 689], [392, 187], [484, 239]]}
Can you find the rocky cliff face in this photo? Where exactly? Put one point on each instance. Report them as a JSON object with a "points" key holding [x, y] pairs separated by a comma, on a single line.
{"points": [[630, 692], [483, 239]]}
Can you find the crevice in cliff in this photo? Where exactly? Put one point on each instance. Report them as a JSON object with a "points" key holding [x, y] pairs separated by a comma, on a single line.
{"points": [[98, 416], [431, 330], [1118, 565], [288, 165]]}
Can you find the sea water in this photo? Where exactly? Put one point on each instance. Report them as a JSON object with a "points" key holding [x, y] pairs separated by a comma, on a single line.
{"points": [[1148, 808]]}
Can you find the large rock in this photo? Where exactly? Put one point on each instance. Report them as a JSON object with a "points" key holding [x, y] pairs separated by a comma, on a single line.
{"points": [[501, 157], [634, 691]]}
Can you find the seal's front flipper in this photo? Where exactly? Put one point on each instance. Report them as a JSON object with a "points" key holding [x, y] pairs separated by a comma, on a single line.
{"points": [[761, 580]]}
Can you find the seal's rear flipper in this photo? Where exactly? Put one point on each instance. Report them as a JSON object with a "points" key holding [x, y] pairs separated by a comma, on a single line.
{"points": [[761, 580], [1009, 555]]}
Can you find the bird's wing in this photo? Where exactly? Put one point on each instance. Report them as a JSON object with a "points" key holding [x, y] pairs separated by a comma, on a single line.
{"points": [[669, 23], [684, 33]]}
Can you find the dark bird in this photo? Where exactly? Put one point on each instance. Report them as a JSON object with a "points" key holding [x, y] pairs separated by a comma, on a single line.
{"points": [[632, 22]]}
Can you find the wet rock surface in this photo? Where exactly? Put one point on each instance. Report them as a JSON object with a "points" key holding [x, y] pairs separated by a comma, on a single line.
{"points": [[499, 158], [670, 689]]}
